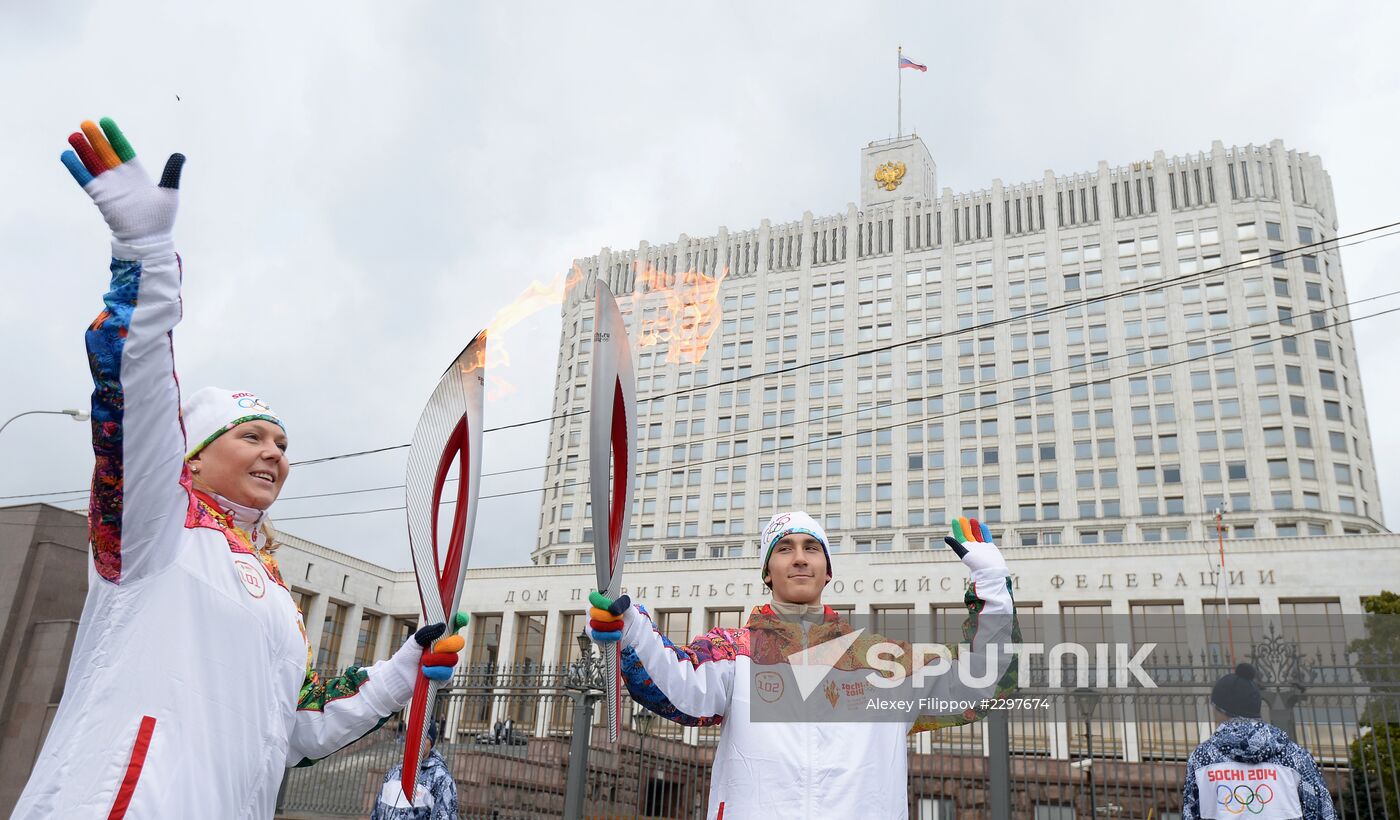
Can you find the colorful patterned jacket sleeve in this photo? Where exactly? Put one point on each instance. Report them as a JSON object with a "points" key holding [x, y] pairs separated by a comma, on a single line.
{"points": [[690, 684], [332, 714], [137, 501]]}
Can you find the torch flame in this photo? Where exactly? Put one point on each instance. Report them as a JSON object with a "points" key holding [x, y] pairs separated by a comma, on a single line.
{"points": [[535, 297], [688, 317]]}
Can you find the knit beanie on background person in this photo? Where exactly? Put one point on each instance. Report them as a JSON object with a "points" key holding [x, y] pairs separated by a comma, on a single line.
{"points": [[213, 411], [787, 523], [1236, 694]]}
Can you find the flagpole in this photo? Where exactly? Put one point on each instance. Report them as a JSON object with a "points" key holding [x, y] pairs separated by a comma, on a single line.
{"points": [[899, 106], [1229, 625]]}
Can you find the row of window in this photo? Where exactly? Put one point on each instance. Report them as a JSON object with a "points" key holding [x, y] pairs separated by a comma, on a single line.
{"points": [[1224, 377], [1074, 254], [990, 485], [1281, 500], [818, 316], [1035, 340]]}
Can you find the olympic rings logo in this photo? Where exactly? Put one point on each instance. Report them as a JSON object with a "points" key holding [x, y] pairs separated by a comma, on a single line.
{"points": [[250, 402], [1242, 798]]}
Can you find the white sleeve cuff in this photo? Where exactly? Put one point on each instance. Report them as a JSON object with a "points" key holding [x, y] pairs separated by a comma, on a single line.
{"points": [[142, 249], [990, 574]]}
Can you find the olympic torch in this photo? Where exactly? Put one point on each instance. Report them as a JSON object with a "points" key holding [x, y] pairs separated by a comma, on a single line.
{"points": [[612, 443], [449, 430]]}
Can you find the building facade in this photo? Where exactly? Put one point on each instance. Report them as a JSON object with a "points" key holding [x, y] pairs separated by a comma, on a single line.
{"points": [[922, 356], [915, 358]]}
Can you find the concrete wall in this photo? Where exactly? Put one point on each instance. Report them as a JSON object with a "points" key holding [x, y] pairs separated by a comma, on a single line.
{"points": [[43, 582]]}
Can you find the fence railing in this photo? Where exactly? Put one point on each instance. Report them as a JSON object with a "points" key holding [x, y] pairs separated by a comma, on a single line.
{"points": [[507, 736]]}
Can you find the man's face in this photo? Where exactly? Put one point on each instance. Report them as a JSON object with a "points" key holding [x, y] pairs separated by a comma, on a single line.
{"points": [[797, 569]]}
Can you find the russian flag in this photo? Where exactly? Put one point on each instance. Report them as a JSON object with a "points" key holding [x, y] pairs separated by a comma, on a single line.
{"points": [[905, 62]]}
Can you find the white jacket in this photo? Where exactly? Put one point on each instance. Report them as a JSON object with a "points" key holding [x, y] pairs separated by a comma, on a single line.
{"points": [[839, 766], [189, 690]]}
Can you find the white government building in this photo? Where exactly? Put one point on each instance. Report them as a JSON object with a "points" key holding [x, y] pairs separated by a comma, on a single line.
{"points": [[1102, 492]]}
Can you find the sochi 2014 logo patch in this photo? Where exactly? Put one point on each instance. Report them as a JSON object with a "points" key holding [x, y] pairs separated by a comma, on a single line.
{"points": [[247, 401], [769, 686], [251, 577], [832, 692]]}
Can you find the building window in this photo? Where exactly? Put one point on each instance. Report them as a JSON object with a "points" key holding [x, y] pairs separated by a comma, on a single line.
{"points": [[727, 618], [1244, 625], [529, 641], [571, 626], [895, 623], [403, 630], [331, 630], [1165, 625], [529, 657], [486, 641], [365, 645], [1316, 626], [675, 625]]}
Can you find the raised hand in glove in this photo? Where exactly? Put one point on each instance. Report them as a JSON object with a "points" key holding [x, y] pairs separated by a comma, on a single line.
{"points": [[438, 655], [138, 211], [605, 617], [972, 542]]}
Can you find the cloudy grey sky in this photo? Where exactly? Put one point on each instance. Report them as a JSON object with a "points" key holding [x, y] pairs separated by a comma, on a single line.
{"points": [[368, 182]]}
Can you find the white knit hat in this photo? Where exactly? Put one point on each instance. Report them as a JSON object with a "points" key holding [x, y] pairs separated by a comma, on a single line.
{"points": [[213, 411], [787, 523]]}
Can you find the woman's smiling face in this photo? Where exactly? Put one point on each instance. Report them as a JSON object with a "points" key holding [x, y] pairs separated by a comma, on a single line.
{"points": [[247, 465]]}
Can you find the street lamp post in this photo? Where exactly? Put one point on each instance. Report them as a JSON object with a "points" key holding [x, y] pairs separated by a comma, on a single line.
{"points": [[1087, 700], [76, 415], [584, 685]]}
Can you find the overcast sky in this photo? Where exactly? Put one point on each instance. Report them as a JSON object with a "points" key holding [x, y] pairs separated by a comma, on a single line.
{"points": [[369, 182]]}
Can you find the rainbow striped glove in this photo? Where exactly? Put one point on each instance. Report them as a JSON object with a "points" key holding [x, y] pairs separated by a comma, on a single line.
{"points": [[440, 656], [105, 165], [605, 617], [972, 541]]}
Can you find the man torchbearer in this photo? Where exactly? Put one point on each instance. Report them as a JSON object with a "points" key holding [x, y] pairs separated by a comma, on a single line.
{"points": [[781, 753]]}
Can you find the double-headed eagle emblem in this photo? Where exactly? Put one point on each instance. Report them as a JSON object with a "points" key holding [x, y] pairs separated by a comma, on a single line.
{"points": [[889, 175]]}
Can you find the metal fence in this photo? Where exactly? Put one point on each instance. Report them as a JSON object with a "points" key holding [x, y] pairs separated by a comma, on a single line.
{"points": [[1058, 754]]}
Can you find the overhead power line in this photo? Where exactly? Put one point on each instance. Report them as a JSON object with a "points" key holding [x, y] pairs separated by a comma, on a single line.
{"points": [[941, 416], [1345, 240], [980, 407], [1298, 250], [983, 385]]}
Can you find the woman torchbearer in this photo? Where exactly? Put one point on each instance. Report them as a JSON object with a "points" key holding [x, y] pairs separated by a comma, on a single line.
{"points": [[189, 691]]}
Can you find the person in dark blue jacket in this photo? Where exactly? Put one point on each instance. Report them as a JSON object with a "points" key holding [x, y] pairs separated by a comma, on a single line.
{"points": [[1248, 767], [434, 799]]}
